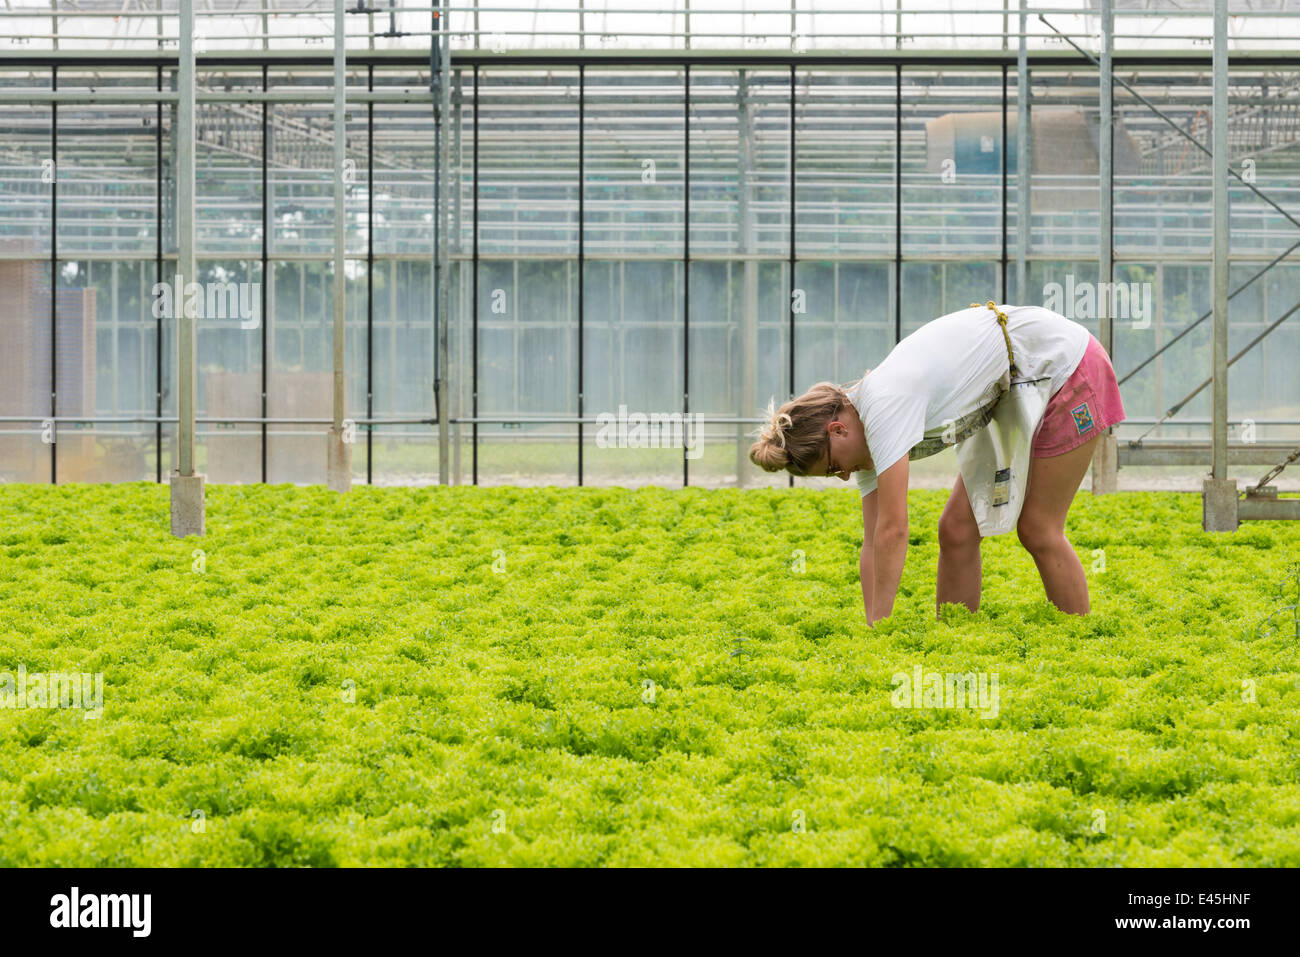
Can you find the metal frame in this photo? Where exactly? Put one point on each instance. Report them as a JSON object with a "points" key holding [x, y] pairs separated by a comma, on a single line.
{"points": [[897, 59], [255, 20]]}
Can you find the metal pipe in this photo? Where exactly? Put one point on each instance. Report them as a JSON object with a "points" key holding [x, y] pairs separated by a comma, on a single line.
{"points": [[1002, 190], [370, 274], [686, 262], [582, 248], [133, 97], [790, 291], [1024, 171], [898, 203], [158, 275], [1219, 460], [264, 291], [54, 276], [1105, 177], [315, 12], [474, 297], [340, 210], [528, 420], [442, 252], [186, 352]]}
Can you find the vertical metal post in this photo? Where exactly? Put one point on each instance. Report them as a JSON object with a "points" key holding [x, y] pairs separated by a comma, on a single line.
{"points": [[1002, 191], [746, 159], [686, 272], [1105, 461], [473, 362], [158, 278], [54, 279], [1024, 159], [898, 203], [187, 487], [266, 271], [1220, 147], [442, 291], [370, 275], [185, 238], [1219, 493], [457, 396], [582, 235], [444, 246], [1105, 154], [339, 459], [789, 304]]}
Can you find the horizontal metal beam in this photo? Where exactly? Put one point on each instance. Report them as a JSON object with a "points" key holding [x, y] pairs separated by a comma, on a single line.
{"points": [[1268, 509], [649, 58], [150, 97], [1178, 453]]}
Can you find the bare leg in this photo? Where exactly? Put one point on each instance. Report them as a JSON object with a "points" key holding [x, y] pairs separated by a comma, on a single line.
{"points": [[1053, 482], [960, 575]]}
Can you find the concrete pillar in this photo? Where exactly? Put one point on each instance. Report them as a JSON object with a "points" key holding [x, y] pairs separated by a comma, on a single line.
{"points": [[338, 467], [1219, 505], [1105, 466], [187, 504]]}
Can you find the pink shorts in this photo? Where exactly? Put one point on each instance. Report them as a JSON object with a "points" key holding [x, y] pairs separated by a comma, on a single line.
{"points": [[1085, 406]]}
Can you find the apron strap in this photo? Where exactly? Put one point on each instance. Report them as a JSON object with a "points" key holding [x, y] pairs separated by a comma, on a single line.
{"points": [[1002, 321]]}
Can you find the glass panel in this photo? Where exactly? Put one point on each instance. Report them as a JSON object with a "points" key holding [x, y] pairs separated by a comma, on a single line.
{"points": [[633, 375], [633, 310], [26, 170], [844, 138], [740, 162], [25, 453], [952, 165], [527, 303], [528, 162], [1063, 129], [107, 171], [107, 368], [300, 381]]}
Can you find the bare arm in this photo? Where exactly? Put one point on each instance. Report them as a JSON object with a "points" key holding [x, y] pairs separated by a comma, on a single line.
{"points": [[890, 540], [866, 562]]}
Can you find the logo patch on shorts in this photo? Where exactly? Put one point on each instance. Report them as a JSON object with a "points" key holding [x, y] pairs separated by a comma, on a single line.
{"points": [[1082, 418]]}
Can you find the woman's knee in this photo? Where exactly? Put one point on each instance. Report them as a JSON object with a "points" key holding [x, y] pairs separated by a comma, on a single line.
{"points": [[1038, 536], [957, 534]]}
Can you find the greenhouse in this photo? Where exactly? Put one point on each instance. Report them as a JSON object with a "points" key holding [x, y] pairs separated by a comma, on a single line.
{"points": [[424, 428]]}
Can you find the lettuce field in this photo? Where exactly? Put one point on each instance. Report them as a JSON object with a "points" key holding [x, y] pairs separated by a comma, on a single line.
{"points": [[605, 676]]}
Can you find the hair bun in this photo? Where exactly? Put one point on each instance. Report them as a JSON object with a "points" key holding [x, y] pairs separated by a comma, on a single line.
{"points": [[769, 452]]}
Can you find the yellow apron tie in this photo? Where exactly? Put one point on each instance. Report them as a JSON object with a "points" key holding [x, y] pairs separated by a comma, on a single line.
{"points": [[1002, 321]]}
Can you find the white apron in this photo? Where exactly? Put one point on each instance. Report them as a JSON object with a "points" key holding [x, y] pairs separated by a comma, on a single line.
{"points": [[994, 461]]}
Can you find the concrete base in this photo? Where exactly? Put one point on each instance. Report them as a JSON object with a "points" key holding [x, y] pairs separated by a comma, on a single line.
{"points": [[1105, 466], [1219, 505], [188, 507], [338, 465]]}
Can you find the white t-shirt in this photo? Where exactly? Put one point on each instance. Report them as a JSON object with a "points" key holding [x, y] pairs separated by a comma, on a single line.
{"points": [[949, 368]]}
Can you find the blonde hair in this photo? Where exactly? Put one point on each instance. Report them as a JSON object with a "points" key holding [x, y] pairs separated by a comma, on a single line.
{"points": [[795, 437]]}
